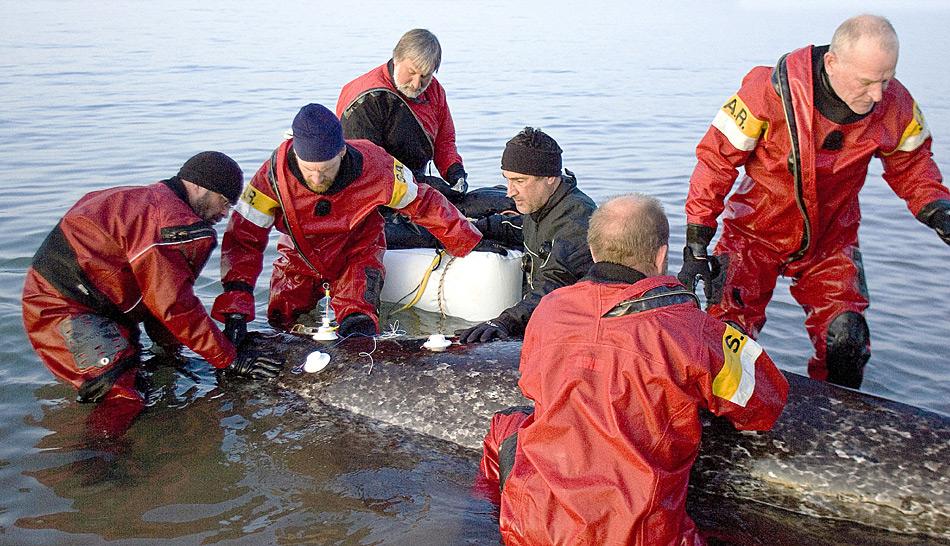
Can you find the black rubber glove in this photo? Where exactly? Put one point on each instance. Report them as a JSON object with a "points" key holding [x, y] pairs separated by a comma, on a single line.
{"points": [[456, 176], [937, 216], [480, 333], [357, 323], [235, 328], [489, 245], [254, 364], [697, 263]]}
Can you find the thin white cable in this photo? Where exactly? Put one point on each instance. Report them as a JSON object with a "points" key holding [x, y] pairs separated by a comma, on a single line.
{"points": [[370, 356], [393, 331]]}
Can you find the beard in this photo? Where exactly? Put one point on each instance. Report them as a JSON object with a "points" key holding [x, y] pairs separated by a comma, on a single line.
{"points": [[206, 208], [411, 92]]}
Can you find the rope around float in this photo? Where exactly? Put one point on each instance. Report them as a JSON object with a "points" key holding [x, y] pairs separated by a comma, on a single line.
{"points": [[421, 287]]}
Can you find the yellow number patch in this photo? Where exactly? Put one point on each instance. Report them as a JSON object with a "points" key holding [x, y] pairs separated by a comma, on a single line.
{"points": [[735, 382], [257, 207]]}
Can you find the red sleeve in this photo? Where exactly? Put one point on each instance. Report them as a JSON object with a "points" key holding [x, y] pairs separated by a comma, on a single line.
{"points": [[431, 210], [735, 132], [741, 382], [167, 282], [242, 251], [446, 153], [909, 169]]}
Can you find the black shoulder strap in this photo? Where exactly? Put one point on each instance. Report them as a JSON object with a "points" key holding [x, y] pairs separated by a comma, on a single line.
{"points": [[784, 90]]}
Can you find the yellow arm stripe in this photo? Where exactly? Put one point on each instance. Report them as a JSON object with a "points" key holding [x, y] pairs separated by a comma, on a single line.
{"points": [[735, 382], [915, 134], [736, 122], [405, 189], [256, 207]]}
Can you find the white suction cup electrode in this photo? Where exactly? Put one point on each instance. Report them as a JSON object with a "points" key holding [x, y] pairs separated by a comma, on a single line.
{"points": [[436, 342], [316, 361]]}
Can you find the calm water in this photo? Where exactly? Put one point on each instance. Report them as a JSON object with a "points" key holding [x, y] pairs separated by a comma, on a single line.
{"points": [[110, 93]]}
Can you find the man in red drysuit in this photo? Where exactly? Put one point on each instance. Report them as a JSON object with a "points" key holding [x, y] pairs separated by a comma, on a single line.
{"points": [[401, 106], [322, 194], [618, 366], [805, 132], [127, 255]]}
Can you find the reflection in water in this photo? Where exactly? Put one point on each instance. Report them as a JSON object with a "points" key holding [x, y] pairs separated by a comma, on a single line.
{"points": [[203, 463], [169, 457]]}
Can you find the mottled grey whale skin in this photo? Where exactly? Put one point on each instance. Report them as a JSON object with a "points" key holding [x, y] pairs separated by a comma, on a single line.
{"points": [[834, 453]]}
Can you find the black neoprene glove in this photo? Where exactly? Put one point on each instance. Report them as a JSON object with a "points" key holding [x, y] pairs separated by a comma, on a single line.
{"points": [[443, 187], [489, 245], [456, 176], [357, 323], [253, 363], [937, 216], [486, 331], [697, 263], [235, 328]]}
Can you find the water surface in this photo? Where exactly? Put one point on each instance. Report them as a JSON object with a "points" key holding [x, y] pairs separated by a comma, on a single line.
{"points": [[112, 93]]}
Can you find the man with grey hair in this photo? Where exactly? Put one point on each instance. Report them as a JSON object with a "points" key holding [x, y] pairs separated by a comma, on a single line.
{"points": [[618, 366], [805, 132], [401, 107]]}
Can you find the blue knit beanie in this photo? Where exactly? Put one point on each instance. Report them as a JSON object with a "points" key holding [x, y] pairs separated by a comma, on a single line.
{"points": [[318, 135]]}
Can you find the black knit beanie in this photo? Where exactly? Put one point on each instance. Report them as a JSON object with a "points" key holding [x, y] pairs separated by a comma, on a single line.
{"points": [[215, 171], [532, 152]]}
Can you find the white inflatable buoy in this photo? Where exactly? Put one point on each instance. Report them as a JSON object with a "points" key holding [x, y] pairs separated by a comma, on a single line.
{"points": [[316, 361], [477, 287], [436, 342]]}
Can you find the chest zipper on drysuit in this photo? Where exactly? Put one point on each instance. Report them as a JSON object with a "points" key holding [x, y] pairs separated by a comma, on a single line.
{"points": [[537, 255], [781, 85]]}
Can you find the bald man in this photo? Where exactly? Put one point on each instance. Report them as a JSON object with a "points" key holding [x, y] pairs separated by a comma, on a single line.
{"points": [[618, 366], [805, 132]]}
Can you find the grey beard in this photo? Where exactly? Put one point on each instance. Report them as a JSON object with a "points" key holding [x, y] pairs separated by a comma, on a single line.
{"points": [[405, 90]]}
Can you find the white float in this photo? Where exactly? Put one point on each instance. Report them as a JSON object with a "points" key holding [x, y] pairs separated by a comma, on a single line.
{"points": [[476, 288]]}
